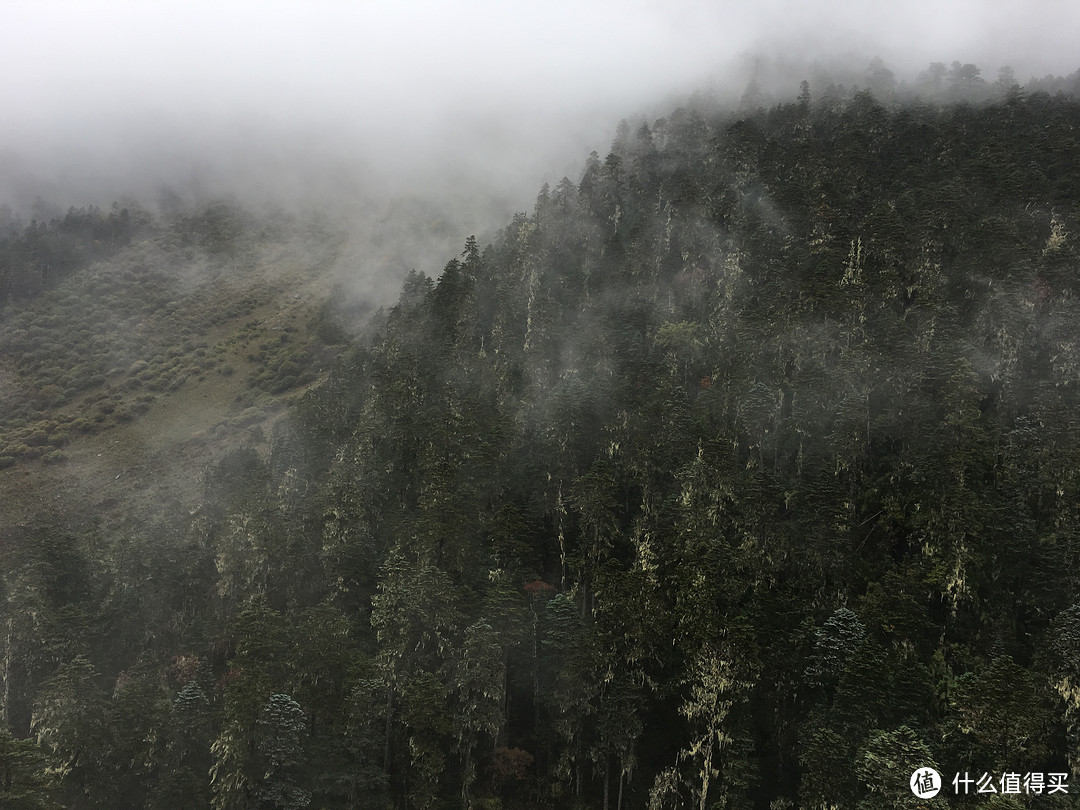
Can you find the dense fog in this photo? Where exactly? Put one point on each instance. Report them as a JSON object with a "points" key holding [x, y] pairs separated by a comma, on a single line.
{"points": [[470, 105], [701, 429]]}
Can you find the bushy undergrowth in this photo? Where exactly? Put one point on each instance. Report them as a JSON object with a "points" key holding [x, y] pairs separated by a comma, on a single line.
{"points": [[99, 346]]}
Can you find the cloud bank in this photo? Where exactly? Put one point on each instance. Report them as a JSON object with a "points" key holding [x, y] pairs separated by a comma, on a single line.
{"points": [[319, 101]]}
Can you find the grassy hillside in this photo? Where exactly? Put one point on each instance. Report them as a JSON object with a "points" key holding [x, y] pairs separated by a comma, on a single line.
{"points": [[131, 372]]}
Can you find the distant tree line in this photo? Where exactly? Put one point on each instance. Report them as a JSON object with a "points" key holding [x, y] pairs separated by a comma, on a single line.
{"points": [[43, 253], [36, 257]]}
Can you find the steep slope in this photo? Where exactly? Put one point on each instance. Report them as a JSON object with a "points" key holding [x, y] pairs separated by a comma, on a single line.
{"points": [[742, 472], [153, 359], [777, 415]]}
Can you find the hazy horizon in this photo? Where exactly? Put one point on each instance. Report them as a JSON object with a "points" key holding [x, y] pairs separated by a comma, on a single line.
{"points": [[473, 104]]}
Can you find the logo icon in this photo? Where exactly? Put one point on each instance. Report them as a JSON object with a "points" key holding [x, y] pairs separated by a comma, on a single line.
{"points": [[926, 783]]}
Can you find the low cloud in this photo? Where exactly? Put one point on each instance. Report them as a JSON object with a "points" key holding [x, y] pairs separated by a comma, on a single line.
{"points": [[474, 104]]}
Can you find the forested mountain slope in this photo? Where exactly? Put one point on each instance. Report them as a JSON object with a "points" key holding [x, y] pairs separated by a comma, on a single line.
{"points": [[741, 473]]}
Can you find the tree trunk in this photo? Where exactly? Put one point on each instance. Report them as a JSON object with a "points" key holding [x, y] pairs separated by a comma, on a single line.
{"points": [[536, 667], [466, 779], [560, 510], [607, 762], [706, 773], [502, 735], [386, 739], [7, 676]]}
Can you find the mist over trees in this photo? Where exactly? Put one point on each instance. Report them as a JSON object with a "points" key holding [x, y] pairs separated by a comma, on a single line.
{"points": [[739, 472]]}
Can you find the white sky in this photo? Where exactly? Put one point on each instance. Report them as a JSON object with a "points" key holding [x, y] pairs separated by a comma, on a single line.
{"points": [[105, 92]]}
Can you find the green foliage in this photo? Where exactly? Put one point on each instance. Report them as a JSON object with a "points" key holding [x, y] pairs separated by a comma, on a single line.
{"points": [[570, 523], [280, 729], [1002, 715], [190, 703], [24, 781], [886, 763], [71, 721], [836, 642], [481, 681], [150, 316]]}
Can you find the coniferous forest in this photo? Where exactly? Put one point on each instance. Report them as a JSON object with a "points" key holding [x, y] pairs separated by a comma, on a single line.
{"points": [[741, 472]]}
